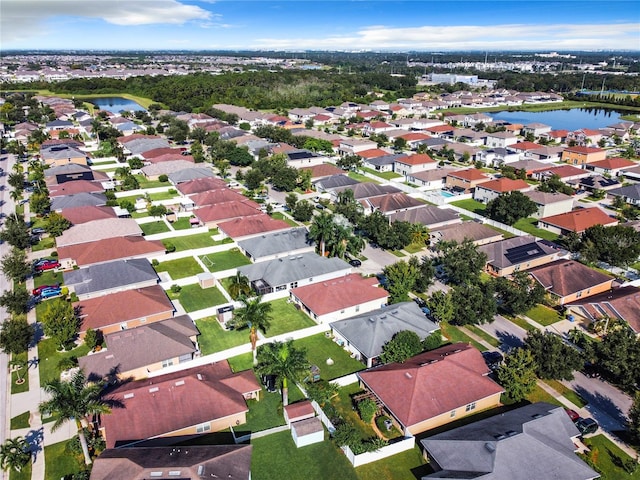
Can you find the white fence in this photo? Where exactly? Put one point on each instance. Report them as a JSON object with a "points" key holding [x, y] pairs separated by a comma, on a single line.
{"points": [[407, 443], [488, 221]]}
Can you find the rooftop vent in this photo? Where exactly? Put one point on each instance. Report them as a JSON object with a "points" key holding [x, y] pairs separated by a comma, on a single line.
{"points": [[199, 376], [511, 433], [407, 374], [490, 446], [499, 436], [153, 389], [128, 395], [178, 383]]}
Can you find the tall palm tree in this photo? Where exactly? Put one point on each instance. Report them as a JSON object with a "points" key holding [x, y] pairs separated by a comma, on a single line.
{"points": [[419, 234], [74, 400], [285, 361], [239, 286], [256, 316], [14, 454], [320, 229]]}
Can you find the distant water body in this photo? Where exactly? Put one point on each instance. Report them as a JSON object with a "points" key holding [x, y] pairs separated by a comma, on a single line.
{"points": [[115, 104], [573, 119]]}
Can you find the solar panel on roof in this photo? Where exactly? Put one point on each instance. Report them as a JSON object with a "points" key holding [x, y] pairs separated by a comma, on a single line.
{"points": [[524, 252]]}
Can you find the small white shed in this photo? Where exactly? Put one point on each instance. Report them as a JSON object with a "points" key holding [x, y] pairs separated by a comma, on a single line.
{"points": [[307, 432]]}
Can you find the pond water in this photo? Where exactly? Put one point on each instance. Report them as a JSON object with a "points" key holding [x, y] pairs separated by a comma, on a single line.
{"points": [[115, 104], [572, 119]]}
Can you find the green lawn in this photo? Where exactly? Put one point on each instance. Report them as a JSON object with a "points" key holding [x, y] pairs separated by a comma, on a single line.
{"points": [[610, 458], [192, 297], [320, 348], [241, 362], [471, 205], [566, 392], [182, 223], [407, 465], [146, 183], [286, 218], [43, 244], [158, 196], [522, 323], [361, 178], [484, 335], [47, 278], [267, 412], [385, 175], [213, 338], [58, 462], [343, 403], [180, 268], [49, 358], [454, 334], [286, 318], [544, 315], [152, 228], [20, 421], [189, 242], [275, 457], [636, 266], [397, 253], [415, 247], [540, 395], [528, 225], [217, 262], [24, 474]]}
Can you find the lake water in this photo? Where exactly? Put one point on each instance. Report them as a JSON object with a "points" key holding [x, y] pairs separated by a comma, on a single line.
{"points": [[572, 119], [115, 104]]}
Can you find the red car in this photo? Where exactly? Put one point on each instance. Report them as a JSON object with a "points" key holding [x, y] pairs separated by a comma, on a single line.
{"points": [[573, 415], [38, 290], [46, 264]]}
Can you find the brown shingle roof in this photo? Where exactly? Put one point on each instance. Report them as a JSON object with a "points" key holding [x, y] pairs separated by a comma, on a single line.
{"points": [[391, 202], [432, 383], [253, 225], [418, 159], [200, 185], [74, 187], [226, 211], [504, 184], [623, 302], [565, 277], [614, 163], [110, 249], [470, 174], [80, 215], [579, 220], [323, 170], [221, 195]]}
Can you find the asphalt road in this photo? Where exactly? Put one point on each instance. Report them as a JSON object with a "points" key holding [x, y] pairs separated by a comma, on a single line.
{"points": [[509, 334]]}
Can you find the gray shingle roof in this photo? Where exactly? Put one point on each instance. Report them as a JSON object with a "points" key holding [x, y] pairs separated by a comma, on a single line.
{"points": [[275, 243], [515, 251], [78, 200], [111, 275], [630, 191], [369, 332], [141, 145], [188, 174], [530, 442], [335, 181], [67, 168], [293, 268], [427, 215], [368, 189], [385, 159]]}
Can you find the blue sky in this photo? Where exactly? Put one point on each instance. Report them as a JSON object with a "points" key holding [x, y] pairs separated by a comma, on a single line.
{"points": [[320, 25]]}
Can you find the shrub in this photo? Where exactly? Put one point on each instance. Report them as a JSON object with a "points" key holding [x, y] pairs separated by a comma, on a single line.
{"points": [[367, 409], [163, 178], [54, 254], [170, 247], [176, 288], [68, 362], [155, 262]]}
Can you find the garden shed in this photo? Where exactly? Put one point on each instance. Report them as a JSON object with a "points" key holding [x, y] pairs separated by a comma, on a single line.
{"points": [[307, 432]]}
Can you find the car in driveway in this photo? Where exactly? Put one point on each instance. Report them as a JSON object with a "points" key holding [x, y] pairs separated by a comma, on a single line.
{"points": [[354, 262], [46, 264], [493, 359], [573, 415], [38, 231], [50, 292], [586, 426], [38, 290]]}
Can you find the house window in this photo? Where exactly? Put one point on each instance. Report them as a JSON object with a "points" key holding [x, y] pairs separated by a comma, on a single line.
{"points": [[203, 427], [452, 414], [293, 285], [167, 363], [470, 407], [279, 288]]}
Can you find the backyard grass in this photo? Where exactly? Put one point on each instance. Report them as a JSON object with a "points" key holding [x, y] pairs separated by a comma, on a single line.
{"points": [[609, 459], [471, 205], [540, 395], [158, 196], [361, 178], [48, 277], [504, 233], [407, 465], [566, 392], [192, 297], [182, 223], [385, 175], [267, 412], [152, 228], [20, 421], [286, 218], [218, 262], [454, 334], [275, 457], [397, 253], [189, 242], [320, 348], [241, 362], [415, 247], [58, 462], [213, 338], [528, 225], [24, 374], [343, 404], [24, 474], [484, 335], [636, 266], [146, 183], [287, 318], [544, 315], [49, 359], [180, 268], [43, 244]]}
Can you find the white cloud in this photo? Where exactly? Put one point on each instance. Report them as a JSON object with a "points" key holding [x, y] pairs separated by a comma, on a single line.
{"points": [[24, 18], [509, 36]]}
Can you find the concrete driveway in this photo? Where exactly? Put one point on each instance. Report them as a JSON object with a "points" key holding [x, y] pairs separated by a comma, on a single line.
{"points": [[377, 259], [509, 334]]}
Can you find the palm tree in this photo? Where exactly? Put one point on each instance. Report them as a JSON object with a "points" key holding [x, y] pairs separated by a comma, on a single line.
{"points": [[285, 361], [14, 454], [256, 316], [419, 234], [239, 285], [321, 228], [74, 400]]}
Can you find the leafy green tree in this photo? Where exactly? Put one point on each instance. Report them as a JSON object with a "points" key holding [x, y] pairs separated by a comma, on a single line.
{"points": [[461, 263], [441, 306], [39, 203], [16, 181], [554, 359], [56, 224], [16, 335], [554, 184], [285, 180], [618, 245], [347, 206], [349, 162], [401, 278], [322, 391], [519, 294], [304, 179], [93, 338], [254, 315], [16, 301], [397, 236], [318, 145], [239, 286], [157, 210], [240, 157], [14, 265], [15, 232], [510, 207], [518, 374], [473, 303], [15, 454], [403, 345], [433, 341], [618, 355], [285, 361], [60, 322], [135, 163], [223, 167], [426, 273], [197, 152], [253, 179], [633, 423], [130, 182], [74, 400], [303, 211], [320, 229], [290, 201]]}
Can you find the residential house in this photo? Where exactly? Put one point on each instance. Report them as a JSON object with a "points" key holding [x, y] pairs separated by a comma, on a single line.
{"points": [[74, 188], [107, 250], [322, 171], [535, 129], [353, 146], [202, 399], [382, 163], [557, 136], [466, 180], [190, 173], [518, 253], [524, 147], [549, 204], [420, 395], [78, 200], [153, 171], [430, 179], [201, 185], [576, 221], [595, 182], [212, 215], [390, 203], [567, 280], [620, 303], [564, 172], [270, 246], [86, 214], [99, 230], [630, 193], [124, 310], [110, 277], [487, 191], [134, 353], [535, 441], [478, 233], [365, 335], [501, 139], [334, 181], [496, 157], [58, 155], [194, 461], [365, 190], [247, 227], [613, 166], [286, 273], [411, 164], [218, 196], [584, 136], [72, 171], [546, 154], [582, 155], [430, 216], [340, 297]]}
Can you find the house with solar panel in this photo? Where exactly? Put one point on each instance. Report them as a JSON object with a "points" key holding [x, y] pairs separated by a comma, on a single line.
{"points": [[518, 253]]}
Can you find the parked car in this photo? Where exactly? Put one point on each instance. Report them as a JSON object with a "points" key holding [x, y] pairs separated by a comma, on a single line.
{"points": [[573, 415], [50, 292], [354, 262], [320, 206], [36, 291], [269, 381], [587, 426], [492, 359], [38, 231], [46, 264]]}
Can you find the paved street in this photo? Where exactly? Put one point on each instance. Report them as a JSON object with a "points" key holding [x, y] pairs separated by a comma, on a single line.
{"points": [[510, 334]]}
